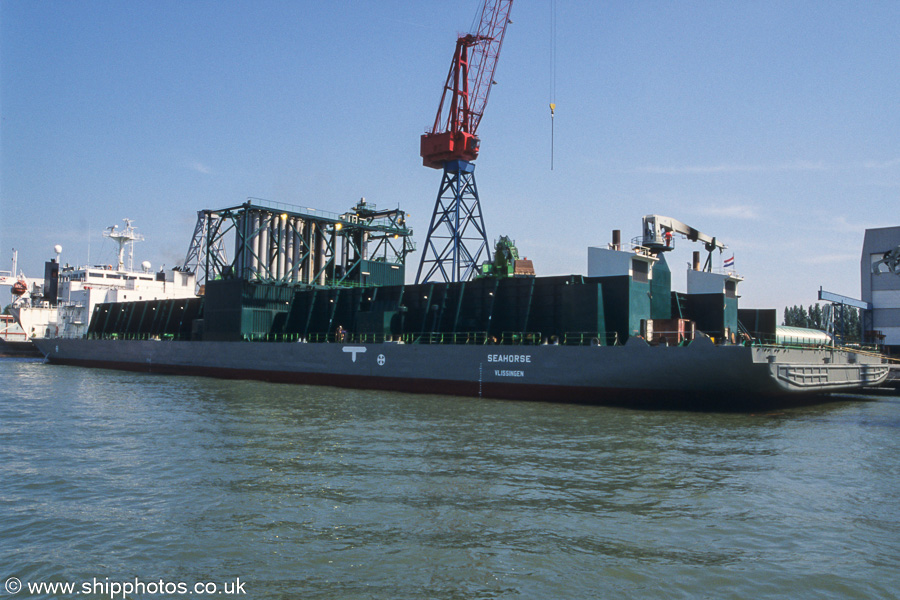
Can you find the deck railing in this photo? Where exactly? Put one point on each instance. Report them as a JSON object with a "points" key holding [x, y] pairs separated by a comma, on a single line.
{"points": [[506, 338]]}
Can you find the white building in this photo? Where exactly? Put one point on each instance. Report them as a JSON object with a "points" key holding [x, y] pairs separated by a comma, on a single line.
{"points": [[880, 274]]}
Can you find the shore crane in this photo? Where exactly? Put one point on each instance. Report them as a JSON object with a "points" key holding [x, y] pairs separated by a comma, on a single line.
{"points": [[457, 238]]}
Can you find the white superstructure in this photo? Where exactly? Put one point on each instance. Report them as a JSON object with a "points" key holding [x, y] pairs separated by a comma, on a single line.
{"points": [[80, 289]]}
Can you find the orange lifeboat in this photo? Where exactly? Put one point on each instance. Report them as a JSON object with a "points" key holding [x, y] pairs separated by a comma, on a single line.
{"points": [[19, 288]]}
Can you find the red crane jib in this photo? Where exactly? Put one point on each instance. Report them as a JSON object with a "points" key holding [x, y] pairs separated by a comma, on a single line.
{"points": [[466, 90]]}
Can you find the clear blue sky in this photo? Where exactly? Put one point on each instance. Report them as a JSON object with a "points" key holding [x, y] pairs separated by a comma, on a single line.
{"points": [[773, 125]]}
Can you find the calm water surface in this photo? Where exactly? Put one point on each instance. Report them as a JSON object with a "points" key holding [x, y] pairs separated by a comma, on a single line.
{"points": [[307, 492]]}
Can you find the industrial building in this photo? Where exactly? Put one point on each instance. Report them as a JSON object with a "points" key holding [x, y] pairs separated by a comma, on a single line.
{"points": [[880, 275]]}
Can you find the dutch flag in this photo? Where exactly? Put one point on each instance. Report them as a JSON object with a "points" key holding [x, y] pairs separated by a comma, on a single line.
{"points": [[729, 262]]}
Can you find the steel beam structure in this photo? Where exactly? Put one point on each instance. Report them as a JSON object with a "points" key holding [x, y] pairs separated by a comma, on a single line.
{"points": [[280, 243], [838, 299], [206, 254], [456, 239]]}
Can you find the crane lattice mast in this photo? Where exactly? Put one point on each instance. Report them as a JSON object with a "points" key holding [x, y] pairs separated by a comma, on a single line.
{"points": [[456, 237]]}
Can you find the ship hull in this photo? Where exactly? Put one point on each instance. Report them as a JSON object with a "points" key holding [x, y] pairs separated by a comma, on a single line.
{"points": [[18, 350], [698, 375]]}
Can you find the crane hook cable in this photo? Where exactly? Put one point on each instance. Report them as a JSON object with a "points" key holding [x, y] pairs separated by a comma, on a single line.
{"points": [[552, 76]]}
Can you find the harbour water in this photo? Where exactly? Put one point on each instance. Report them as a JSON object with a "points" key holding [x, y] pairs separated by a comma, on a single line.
{"points": [[305, 492]]}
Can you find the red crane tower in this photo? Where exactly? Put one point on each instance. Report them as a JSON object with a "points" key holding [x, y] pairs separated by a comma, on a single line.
{"points": [[452, 145]]}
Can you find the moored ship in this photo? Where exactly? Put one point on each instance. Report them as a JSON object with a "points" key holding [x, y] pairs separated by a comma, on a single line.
{"points": [[319, 298]]}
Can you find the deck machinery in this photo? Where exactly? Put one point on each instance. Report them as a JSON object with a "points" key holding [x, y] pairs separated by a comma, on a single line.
{"points": [[279, 252], [283, 244]]}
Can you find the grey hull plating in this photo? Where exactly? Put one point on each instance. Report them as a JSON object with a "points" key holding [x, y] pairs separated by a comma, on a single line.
{"points": [[700, 373]]}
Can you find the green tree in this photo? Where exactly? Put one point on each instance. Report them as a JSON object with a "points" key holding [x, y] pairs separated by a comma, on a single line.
{"points": [[847, 323], [801, 318]]}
